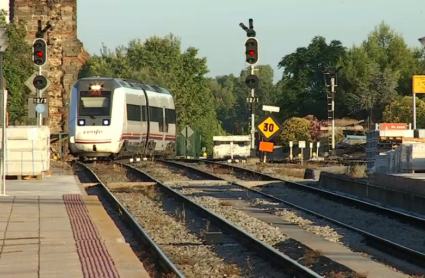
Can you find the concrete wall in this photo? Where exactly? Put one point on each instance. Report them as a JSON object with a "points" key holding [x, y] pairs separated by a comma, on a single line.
{"points": [[400, 183], [390, 197], [225, 146], [65, 51]]}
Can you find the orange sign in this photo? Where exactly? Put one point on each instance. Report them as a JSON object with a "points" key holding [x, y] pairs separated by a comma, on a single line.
{"points": [[266, 147], [393, 126]]}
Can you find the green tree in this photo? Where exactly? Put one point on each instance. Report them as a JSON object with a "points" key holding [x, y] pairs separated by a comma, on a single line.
{"points": [[400, 111], [376, 71], [295, 129], [230, 102], [161, 61], [222, 89], [302, 89], [365, 85], [264, 91], [17, 68]]}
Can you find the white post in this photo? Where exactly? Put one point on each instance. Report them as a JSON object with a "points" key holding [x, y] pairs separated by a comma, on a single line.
{"points": [[414, 111], [333, 112], [231, 150], [40, 95], [3, 106], [291, 144], [3, 153], [302, 156], [252, 117], [317, 147], [311, 149], [4, 144]]}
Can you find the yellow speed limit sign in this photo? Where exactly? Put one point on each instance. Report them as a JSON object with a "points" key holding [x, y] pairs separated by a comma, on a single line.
{"points": [[418, 84], [269, 127]]}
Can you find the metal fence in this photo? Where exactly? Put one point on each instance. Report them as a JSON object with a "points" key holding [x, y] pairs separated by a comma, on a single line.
{"points": [[190, 146]]}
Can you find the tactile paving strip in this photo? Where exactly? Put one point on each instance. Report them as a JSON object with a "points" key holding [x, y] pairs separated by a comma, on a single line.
{"points": [[94, 256]]}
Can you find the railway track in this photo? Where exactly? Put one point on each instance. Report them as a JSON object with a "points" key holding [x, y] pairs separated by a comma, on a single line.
{"points": [[378, 242], [260, 253], [343, 199], [168, 267]]}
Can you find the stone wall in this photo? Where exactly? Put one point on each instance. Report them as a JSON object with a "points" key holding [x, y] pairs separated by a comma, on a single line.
{"points": [[65, 52]]}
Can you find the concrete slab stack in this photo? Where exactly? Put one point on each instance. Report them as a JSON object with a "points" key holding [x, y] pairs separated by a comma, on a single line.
{"points": [[232, 146], [381, 163], [382, 141], [27, 150], [416, 157], [408, 157], [372, 138], [391, 162]]}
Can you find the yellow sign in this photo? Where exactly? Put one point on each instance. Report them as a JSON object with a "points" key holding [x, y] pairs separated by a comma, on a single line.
{"points": [[418, 84], [268, 127]]}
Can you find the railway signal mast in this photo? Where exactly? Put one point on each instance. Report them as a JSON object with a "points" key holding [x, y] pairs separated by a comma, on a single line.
{"points": [[40, 82], [4, 43], [330, 77], [251, 57]]}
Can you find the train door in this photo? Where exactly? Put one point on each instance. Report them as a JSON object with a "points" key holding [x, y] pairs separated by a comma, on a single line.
{"points": [[163, 127]]}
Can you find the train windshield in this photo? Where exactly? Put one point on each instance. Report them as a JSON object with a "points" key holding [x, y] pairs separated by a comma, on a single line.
{"points": [[94, 104]]}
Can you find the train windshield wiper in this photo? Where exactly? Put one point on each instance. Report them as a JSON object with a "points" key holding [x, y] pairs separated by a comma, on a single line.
{"points": [[92, 117]]}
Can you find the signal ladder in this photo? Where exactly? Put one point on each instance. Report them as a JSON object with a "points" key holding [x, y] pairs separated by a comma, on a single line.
{"points": [[331, 115]]}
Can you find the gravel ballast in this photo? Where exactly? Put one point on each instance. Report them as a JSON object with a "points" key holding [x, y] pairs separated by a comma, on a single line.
{"points": [[390, 229], [382, 226], [180, 233], [261, 230]]}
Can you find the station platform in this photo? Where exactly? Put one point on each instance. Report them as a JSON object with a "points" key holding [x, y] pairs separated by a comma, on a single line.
{"points": [[52, 228]]}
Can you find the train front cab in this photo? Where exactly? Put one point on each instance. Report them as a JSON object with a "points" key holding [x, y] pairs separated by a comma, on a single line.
{"points": [[94, 132]]}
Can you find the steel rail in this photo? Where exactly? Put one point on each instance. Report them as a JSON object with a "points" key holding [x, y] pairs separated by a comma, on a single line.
{"points": [[165, 262], [395, 249], [279, 259], [343, 199]]}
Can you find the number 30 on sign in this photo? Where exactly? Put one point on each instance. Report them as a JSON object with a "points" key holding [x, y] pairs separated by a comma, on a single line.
{"points": [[269, 127]]}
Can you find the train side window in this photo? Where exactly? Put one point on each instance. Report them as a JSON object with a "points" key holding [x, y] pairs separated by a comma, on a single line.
{"points": [[134, 113], [160, 119], [144, 115], [153, 114], [170, 115]]}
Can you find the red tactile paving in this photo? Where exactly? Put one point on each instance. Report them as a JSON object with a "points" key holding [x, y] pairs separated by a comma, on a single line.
{"points": [[95, 259]]}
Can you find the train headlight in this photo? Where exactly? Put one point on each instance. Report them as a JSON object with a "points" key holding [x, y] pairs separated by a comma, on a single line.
{"points": [[81, 122], [95, 87], [106, 122]]}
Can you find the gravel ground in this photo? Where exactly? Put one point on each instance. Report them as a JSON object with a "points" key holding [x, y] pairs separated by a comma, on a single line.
{"points": [[393, 230], [261, 230], [291, 172], [180, 233]]}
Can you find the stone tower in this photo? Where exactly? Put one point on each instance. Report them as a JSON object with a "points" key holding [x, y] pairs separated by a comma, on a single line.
{"points": [[65, 51]]}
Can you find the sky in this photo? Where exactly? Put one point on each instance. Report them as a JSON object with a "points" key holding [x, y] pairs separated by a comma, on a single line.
{"points": [[213, 26]]}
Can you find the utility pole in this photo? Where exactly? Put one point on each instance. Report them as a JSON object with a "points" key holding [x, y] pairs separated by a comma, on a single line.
{"points": [[40, 82], [251, 57], [4, 43], [330, 83]]}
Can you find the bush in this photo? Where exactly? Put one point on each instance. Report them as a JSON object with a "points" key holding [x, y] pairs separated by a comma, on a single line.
{"points": [[315, 127], [400, 111], [295, 129]]}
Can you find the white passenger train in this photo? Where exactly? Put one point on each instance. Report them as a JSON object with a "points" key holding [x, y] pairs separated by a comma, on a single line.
{"points": [[111, 117]]}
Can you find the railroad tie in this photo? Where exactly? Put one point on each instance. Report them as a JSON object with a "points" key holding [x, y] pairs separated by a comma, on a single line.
{"points": [[94, 257]]}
